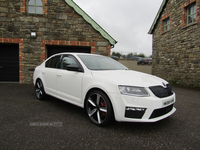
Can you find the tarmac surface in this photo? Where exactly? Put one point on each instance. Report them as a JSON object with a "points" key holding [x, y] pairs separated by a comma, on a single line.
{"points": [[27, 123]]}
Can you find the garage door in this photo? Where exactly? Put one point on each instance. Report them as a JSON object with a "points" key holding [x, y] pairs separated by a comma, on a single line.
{"points": [[9, 62], [53, 49]]}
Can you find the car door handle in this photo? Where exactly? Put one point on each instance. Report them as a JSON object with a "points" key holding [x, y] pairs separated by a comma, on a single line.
{"points": [[1, 67], [43, 72], [58, 74]]}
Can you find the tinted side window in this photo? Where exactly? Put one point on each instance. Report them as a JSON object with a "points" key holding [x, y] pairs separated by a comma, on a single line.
{"points": [[68, 60], [54, 62]]}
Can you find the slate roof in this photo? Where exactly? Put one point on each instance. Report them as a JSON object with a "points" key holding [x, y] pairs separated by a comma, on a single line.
{"points": [[91, 21]]}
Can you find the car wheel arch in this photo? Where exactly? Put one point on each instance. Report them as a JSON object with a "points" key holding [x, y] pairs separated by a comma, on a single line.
{"points": [[41, 80], [37, 80]]}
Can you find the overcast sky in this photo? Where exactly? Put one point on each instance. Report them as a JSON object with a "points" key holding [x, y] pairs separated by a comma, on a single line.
{"points": [[127, 21]]}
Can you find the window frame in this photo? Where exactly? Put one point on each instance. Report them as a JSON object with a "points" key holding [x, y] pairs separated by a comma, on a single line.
{"points": [[35, 6], [188, 9], [63, 62], [166, 24], [166, 18], [48, 63], [78, 64]]}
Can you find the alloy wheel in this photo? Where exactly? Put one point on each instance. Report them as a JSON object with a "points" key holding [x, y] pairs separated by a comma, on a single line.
{"points": [[99, 108], [39, 90]]}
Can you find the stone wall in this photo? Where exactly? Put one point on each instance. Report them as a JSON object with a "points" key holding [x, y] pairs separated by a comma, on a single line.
{"points": [[176, 53], [58, 25]]}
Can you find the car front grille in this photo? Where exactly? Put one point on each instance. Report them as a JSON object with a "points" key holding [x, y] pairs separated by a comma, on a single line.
{"points": [[160, 91], [161, 111]]}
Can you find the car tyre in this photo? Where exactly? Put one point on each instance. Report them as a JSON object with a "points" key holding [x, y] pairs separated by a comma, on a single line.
{"points": [[39, 90], [99, 108]]}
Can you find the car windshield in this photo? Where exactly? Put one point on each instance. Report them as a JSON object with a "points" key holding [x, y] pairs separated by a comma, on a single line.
{"points": [[98, 62]]}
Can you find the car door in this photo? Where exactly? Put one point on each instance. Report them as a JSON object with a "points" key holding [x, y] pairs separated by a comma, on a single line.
{"points": [[50, 74], [69, 82]]}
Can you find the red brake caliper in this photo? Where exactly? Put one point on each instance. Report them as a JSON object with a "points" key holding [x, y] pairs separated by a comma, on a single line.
{"points": [[104, 105]]}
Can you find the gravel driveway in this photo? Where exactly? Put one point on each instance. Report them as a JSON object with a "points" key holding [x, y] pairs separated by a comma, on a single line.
{"points": [[27, 123]]}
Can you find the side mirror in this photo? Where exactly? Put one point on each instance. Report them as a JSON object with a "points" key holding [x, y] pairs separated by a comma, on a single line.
{"points": [[74, 68]]}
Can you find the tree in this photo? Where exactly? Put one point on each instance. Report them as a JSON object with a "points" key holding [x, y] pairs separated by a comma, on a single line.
{"points": [[124, 56], [141, 55], [130, 55], [116, 54]]}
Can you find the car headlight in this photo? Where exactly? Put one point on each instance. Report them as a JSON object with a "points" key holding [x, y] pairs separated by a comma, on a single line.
{"points": [[133, 91]]}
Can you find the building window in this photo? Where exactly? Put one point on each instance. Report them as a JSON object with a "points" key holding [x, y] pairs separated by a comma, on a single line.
{"points": [[166, 24], [35, 7], [191, 14]]}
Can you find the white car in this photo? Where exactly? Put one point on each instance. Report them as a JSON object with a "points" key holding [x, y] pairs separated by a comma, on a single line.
{"points": [[105, 88]]}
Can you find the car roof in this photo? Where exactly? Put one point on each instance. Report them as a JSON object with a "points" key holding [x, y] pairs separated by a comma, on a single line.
{"points": [[71, 53]]}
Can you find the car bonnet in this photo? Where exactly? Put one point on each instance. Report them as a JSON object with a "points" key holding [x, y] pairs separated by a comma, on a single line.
{"points": [[129, 78]]}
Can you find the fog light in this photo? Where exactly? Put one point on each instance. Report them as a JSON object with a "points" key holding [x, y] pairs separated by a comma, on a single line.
{"points": [[134, 112], [135, 109]]}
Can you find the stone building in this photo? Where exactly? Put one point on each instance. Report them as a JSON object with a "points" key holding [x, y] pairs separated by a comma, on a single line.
{"points": [[176, 42], [32, 30]]}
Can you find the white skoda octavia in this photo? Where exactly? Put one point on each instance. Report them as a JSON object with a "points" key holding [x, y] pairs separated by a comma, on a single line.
{"points": [[106, 89]]}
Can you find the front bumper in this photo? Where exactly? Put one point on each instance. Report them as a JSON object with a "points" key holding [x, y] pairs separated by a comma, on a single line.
{"points": [[142, 109]]}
